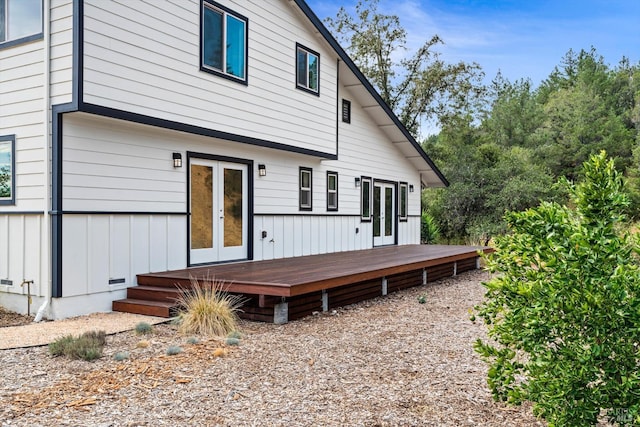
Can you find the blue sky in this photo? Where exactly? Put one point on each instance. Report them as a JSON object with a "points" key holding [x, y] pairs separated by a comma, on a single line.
{"points": [[522, 39]]}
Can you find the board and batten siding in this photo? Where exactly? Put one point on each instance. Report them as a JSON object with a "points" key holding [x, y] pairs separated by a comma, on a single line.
{"points": [[143, 57]]}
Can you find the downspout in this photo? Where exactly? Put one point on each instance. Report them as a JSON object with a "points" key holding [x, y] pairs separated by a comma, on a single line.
{"points": [[46, 226]]}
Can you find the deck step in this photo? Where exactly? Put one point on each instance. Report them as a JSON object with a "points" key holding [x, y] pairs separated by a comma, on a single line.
{"points": [[153, 293], [148, 308]]}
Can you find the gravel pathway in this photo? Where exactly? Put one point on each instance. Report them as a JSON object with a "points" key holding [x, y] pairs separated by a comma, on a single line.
{"points": [[387, 362]]}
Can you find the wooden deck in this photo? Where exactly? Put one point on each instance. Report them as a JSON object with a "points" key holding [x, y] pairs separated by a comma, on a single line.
{"points": [[285, 289]]}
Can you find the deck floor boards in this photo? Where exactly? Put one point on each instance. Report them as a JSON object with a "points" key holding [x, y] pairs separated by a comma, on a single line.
{"points": [[300, 275]]}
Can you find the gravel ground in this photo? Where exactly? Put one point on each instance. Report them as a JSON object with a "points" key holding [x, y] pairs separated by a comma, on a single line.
{"points": [[385, 362]]}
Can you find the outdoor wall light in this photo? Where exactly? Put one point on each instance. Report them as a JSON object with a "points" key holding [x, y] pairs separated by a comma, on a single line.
{"points": [[357, 182], [177, 160], [410, 188], [262, 170]]}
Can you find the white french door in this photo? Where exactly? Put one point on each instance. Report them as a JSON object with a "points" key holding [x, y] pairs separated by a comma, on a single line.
{"points": [[218, 211], [384, 214]]}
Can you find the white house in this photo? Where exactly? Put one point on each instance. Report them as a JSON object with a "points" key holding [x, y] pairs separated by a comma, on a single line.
{"points": [[142, 136]]}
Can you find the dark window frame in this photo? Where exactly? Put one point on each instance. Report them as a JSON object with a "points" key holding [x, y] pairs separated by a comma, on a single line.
{"points": [[369, 202], [332, 208], [10, 201], [210, 4], [302, 189], [346, 111], [305, 86], [403, 216], [4, 43]]}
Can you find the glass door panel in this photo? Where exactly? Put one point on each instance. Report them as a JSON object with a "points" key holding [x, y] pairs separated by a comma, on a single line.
{"points": [[233, 203]]}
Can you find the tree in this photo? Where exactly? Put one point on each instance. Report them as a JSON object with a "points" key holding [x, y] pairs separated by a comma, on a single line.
{"points": [[564, 307], [416, 88]]}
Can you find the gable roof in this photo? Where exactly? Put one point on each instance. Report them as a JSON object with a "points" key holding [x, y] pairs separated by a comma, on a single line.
{"points": [[372, 102]]}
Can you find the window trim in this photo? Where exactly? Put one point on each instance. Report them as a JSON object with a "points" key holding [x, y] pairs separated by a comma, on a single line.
{"points": [[11, 139], [329, 191], [403, 216], [24, 39], [368, 180], [306, 88], [346, 111], [211, 4], [302, 189]]}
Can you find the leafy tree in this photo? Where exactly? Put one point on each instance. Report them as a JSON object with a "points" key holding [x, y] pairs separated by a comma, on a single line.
{"points": [[417, 87], [5, 181], [564, 309]]}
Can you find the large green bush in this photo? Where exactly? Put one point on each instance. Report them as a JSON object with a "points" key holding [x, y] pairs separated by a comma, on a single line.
{"points": [[563, 307]]}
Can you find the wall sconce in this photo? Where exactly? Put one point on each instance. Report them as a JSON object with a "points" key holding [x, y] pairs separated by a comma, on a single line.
{"points": [[410, 188], [177, 160], [357, 182], [262, 170]]}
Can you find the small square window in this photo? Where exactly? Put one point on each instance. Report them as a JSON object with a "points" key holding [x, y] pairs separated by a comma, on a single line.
{"points": [[7, 169], [403, 201], [307, 70], [365, 199], [224, 42], [346, 111], [332, 191], [305, 184], [20, 20]]}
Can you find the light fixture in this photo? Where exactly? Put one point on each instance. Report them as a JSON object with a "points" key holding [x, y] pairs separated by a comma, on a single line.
{"points": [[410, 188], [357, 182], [262, 170], [177, 160]]}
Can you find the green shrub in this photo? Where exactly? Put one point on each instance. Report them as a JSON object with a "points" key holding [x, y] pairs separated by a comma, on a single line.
{"points": [[87, 346], [143, 328], [193, 340], [173, 350], [121, 355], [429, 229], [232, 341], [206, 309], [564, 308]]}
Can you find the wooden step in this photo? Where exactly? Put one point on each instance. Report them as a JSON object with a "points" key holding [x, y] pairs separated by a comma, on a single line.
{"points": [[148, 308], [153, 293]]}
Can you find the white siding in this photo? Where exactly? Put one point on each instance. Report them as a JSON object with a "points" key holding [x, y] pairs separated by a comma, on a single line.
{"points": [[98, 248], [22, 114], [144, 57], [61, 51]]}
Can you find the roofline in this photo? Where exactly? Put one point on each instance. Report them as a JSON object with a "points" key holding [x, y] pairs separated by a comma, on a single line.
{"points": [[304, 7]]}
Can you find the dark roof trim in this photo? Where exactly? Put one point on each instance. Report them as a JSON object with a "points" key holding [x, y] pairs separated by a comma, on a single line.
{"points": [[302, 4]]}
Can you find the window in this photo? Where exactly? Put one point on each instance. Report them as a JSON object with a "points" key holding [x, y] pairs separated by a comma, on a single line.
{"points": [[7, 170], [20, 20], [224, 42], [307, 70], [403, 201], [305, 189], [346, 111], [365, 199], [332, 191]]}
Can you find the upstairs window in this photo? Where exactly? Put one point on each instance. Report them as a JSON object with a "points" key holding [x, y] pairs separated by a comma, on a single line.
{"points": [[224, 42], [20, 20], [305, 189], [307, 70], [332, 191], [7, 169]]}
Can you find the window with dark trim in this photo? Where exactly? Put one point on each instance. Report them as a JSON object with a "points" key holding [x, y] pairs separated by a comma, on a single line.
{"points": [[7, 169], [305, 185], [403, 201], [20, 21], [307, 70], [332, 191], [365, 198], [346, 111], [224, 41]]}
